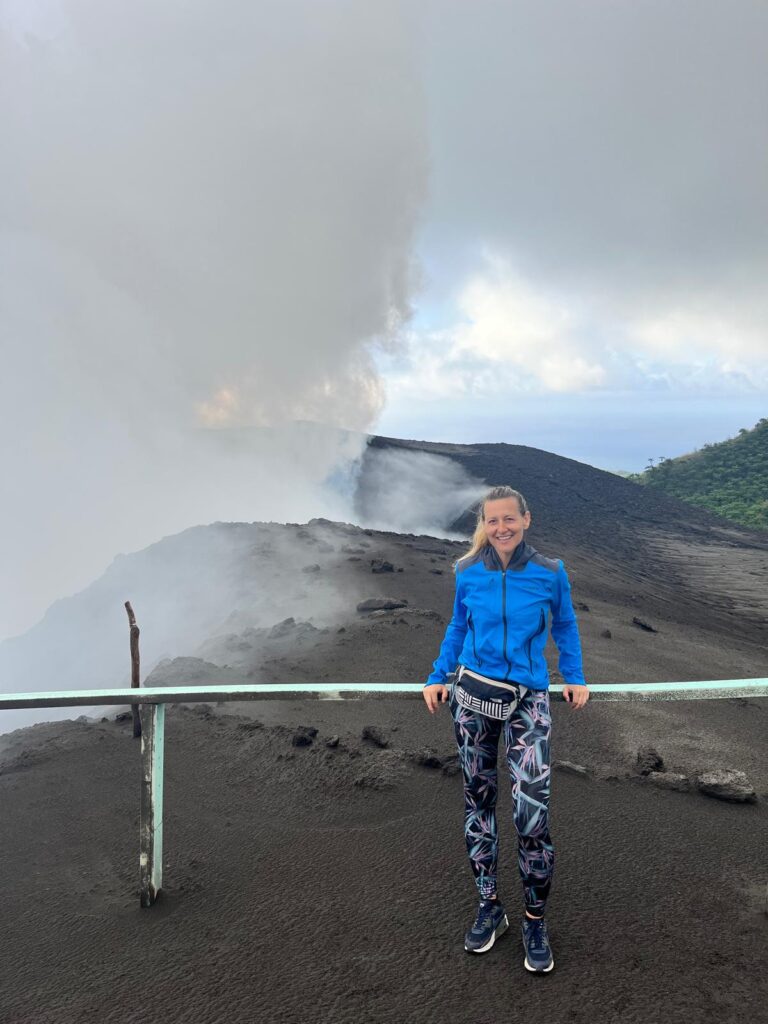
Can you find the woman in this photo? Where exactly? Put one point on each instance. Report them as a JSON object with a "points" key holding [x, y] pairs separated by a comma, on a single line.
{"points": [[497, 635]]}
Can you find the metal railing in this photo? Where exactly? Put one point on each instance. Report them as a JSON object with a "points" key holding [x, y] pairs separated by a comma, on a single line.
{"points": [[151, 701]]}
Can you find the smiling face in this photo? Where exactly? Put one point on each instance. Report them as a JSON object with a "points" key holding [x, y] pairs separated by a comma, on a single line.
{"points": [[505, 525]]}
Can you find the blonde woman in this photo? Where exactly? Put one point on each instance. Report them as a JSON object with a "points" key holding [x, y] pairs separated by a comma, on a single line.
{"points": [[505, 591]]}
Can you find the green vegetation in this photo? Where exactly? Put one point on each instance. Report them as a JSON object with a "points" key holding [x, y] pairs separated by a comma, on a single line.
{"points": [[729, 478]]}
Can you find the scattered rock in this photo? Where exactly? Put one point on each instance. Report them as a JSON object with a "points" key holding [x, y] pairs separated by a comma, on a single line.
{"points": [[349, 550], [332, 742], [388, 604], [376, 735], [342, 629], [643, 625], [311, 568], [428, 758], [607, 634], [582, 607], [124, 716], [425, 613], [649, 760], [726, 784], [290, 627], [303, 736], [380, 565], [573, 769], [670, 780], [436, 572]]}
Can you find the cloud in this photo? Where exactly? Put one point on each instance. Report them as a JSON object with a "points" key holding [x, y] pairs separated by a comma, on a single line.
{"points": [[680, 334], [615, 156], [523, 332], [512, 336]]}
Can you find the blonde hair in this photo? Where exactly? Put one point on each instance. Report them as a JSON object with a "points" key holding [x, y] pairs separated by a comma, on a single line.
{"points": [[480, 538]]}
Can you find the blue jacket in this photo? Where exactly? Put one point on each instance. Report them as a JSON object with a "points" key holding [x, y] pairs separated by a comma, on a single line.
{"points": [[499, 623]]}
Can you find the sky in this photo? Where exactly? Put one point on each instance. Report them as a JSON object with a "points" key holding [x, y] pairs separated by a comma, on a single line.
{"points": [[540, 223], [594, 240]]}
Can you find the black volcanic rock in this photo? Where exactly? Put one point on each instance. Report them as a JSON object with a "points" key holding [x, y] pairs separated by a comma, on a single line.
{"points": [[381, 565], [374, 604], [643, 625], [649, 760], [303, 735], [376, 735]]}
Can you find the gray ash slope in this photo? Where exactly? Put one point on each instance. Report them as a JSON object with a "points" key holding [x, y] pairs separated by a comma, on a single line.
{"points": [[635, 544], [222, 596], [326, 881]]}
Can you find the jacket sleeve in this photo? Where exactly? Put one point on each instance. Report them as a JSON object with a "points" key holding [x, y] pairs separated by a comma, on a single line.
{"points": [[565, 631], [450, 649]]}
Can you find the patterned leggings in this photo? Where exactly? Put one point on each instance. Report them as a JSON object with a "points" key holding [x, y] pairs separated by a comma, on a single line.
{"points": [[526, 737]]}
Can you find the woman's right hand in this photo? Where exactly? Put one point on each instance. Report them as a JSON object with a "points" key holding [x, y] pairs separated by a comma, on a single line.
{"points": [[434, 694]]}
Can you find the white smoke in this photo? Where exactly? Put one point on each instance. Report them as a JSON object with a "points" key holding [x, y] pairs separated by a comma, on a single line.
{"points": [[207, 222]]}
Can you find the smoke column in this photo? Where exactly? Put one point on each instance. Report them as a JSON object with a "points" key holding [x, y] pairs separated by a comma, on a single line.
{"points": [[207, 223]]}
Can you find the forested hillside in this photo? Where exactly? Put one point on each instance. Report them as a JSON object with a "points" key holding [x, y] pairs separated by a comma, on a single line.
{"points": [[729, 478]]}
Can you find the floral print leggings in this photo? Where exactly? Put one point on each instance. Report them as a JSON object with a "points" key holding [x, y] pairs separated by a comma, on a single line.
{"points": [[526, 739]]}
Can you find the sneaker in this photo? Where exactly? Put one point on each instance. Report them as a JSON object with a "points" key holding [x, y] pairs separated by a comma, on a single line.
{"points": [[538, 955], [490, 923]]}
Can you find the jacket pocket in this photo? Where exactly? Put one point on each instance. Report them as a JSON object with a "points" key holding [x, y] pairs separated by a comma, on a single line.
{"points": [[474, 644], [529, 641]]}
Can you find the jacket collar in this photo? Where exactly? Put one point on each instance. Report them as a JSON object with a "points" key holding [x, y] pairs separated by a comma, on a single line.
{"points": [[520, 557]]}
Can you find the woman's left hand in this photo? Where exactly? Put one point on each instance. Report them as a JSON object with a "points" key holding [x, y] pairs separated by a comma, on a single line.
{"points": [[577, 696]]}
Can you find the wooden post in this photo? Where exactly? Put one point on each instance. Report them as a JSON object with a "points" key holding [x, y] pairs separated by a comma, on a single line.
{"points": [[151, 825], [135, 674]]}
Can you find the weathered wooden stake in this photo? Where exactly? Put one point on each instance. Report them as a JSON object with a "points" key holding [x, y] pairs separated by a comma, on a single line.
{"points": [[151, 827], [135, 673]]}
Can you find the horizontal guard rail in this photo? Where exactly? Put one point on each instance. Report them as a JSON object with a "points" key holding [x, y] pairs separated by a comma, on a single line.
{"points": [[707, 689], [153, 699]]}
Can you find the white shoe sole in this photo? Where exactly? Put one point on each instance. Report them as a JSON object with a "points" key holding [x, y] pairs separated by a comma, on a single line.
{"points": [[539, 970], [500, 929]]}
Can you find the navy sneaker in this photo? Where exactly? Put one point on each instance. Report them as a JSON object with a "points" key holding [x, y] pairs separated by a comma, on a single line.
{"points": [[490, 923], [538, 955]]}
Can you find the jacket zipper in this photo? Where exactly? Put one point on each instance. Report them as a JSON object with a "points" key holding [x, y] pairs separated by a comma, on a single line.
{"points": [[504, 618]]}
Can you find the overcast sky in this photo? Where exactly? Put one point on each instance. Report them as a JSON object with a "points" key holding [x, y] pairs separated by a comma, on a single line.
{"points": [[595, 237], [542, 223]]}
